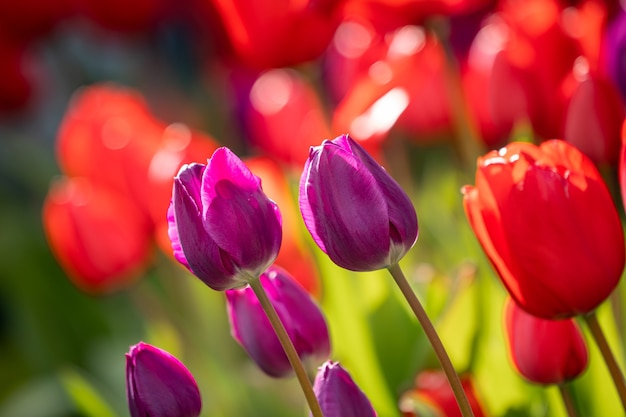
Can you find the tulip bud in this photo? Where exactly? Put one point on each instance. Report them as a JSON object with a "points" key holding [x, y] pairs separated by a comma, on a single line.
{"points": [[548, 223], [355, 211], [223, 225], [338, 395], [302, 318], [159, 385], [544, 351]]}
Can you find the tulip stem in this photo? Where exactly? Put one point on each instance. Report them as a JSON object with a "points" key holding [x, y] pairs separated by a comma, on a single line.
{"points": [[618, 378], [568, 401], [433, 337], [288, 347]]}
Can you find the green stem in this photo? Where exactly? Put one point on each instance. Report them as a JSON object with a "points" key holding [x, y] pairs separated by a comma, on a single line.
{"points": [[568, 401], [618, 378], [435, 341], [290, 351]]}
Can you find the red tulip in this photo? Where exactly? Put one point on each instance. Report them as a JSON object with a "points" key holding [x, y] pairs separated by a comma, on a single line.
{"points": [[404, 89], [284, 116], [109, 135], [432, 392], [99, 237], [278, 33], [544, 351], [547, 222]]}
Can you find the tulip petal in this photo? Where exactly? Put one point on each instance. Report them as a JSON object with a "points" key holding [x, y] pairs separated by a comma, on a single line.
{"points": [[244, 223], [172, 232]]}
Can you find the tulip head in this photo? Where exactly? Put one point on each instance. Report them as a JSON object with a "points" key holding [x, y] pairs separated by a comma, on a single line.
{"points": [[544, 351], [221, 224], [338, 395], [303, 320], [159, 385], [355, 211], [547, 222]]}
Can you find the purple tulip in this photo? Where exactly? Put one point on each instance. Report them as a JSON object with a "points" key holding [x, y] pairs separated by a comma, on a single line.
{"points": [[159, 385], [338, 395], [302, 318], [221, 224], [355, 211]]}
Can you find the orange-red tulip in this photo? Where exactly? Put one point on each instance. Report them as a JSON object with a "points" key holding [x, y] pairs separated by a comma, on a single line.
{"points": [[547, 222], [544, 351]]}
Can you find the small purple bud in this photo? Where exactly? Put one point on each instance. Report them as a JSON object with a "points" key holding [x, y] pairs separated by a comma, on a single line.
{"points": [[222, 226], [338, 395], [302, 318], [159, 385], [355, 211]]}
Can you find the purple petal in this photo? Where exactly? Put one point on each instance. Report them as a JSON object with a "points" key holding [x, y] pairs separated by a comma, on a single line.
{"points": [[202, 254], [172, 232], [225, 165], [245, 225]]}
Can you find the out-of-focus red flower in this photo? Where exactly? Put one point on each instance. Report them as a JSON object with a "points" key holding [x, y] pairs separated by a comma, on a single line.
{"points": [[108, 135], [537, 55], [99, 237], [432, 392], [544, 351], [278, 33], [594, 118], [293, 255], [404, 88], [547, 222], [109, 138], [283, 116]]}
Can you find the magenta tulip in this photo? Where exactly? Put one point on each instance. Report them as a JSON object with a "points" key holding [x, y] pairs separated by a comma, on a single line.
{"points": [[159, 385], [221, 224], [355, 211], [302, 318], [338, 395]]}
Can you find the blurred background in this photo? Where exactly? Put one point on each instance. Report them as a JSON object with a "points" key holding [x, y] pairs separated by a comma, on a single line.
{"points": [[102, 101]]}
